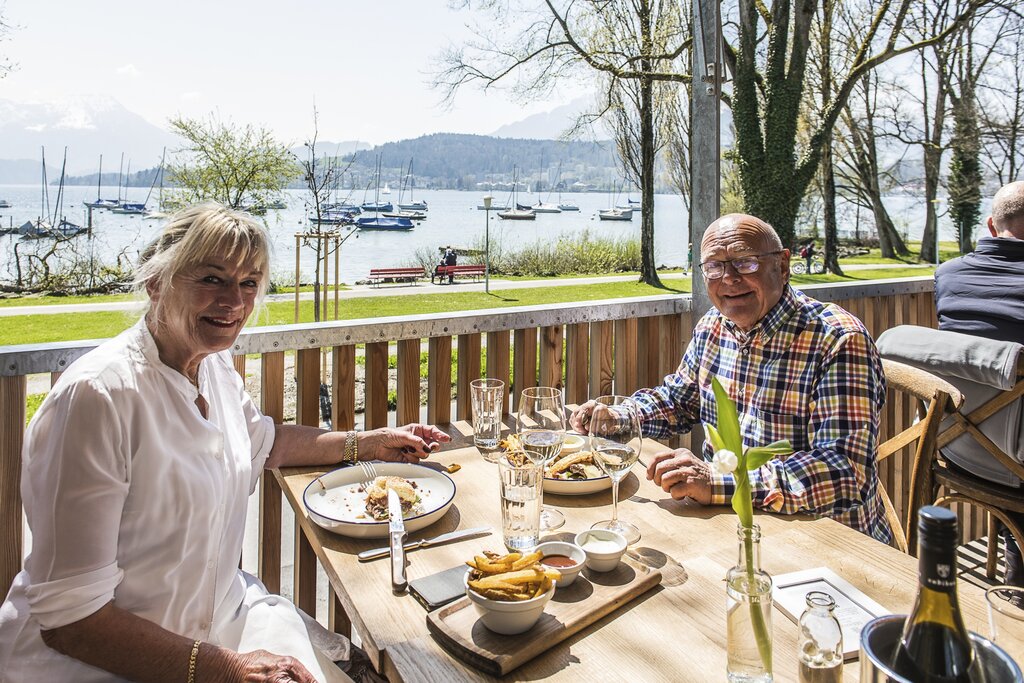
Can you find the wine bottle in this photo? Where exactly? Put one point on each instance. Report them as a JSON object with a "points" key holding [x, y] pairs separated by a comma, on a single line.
{"points": [[935, 647]]}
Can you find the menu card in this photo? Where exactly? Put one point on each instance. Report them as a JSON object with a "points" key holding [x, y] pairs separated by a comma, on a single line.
{"points": [[853, 608]]}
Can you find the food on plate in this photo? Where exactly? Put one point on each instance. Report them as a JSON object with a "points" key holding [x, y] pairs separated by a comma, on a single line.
{"points": [[575, 466], [377, 496], [511, 577]]}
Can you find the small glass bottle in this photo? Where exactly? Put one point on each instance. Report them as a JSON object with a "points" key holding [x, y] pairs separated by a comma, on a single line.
{"points": [[820, 657]]}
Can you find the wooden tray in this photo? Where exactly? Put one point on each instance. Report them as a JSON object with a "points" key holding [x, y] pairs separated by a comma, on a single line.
{"points": [[592, 596]]}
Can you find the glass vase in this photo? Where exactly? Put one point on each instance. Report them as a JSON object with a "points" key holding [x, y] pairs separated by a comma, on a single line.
{"points": [[749, 613]]}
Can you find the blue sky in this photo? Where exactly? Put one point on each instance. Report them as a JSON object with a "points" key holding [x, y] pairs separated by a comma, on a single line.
{"points": [[365, 64]]}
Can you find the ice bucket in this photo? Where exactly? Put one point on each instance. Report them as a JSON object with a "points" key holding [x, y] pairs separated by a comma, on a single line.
{"points": [[878, 640]]}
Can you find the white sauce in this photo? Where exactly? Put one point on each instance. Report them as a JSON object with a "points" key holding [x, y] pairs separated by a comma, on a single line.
{"points": [[596, 545]]}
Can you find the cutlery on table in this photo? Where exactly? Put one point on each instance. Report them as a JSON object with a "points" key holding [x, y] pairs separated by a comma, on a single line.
{"points": [[425, 542], [396, 530]]}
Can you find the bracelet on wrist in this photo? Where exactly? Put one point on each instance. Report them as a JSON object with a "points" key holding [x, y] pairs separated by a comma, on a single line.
{"points": [[192, 658], [351, 453]]}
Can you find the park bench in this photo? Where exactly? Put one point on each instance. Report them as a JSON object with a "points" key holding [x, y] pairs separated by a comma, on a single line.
{"points": [[379, 275], [474, 271]]}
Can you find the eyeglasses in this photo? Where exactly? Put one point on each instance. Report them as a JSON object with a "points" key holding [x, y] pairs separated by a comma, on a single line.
{"points": [[715, 270]]}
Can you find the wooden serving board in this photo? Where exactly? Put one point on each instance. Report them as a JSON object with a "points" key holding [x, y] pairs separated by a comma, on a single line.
{"points": [[593, 595]]}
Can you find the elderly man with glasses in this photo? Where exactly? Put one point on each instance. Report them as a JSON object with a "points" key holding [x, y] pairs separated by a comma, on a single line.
{"points": [[798, 369]]}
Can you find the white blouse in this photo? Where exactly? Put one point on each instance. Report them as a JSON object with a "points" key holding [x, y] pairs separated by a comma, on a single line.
{"points": [[132, 496]]}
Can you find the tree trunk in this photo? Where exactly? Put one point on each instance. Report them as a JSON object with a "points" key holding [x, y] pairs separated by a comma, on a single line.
{"points": [[648, 267], [828, 194], [965, 168]]}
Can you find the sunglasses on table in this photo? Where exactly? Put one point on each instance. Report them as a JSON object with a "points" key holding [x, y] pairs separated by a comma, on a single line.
{"points": [[745, 265]]}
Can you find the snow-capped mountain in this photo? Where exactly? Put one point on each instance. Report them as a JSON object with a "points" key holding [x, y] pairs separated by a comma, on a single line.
{"points": [[88, 126]]}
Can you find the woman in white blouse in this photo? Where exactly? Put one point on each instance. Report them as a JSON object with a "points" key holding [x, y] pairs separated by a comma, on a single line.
{"points": [[136, 471]]}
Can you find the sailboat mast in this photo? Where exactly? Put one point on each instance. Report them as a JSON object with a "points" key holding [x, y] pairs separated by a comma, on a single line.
{"points": [[99, 180], [120, 174]]}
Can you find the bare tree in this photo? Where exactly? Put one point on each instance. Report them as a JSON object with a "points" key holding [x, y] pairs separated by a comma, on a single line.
{"points": [[628, 41], [1001, 111]]}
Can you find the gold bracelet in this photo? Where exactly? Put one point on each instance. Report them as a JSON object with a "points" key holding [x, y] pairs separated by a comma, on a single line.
{"points": [[351, 454], [192, 662]]}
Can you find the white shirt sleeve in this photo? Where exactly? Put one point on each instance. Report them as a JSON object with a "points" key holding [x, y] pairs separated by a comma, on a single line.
{"points": [[75, 481]]}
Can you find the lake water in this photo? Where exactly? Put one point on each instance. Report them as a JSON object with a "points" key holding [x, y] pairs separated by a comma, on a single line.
{"points": [[453, 220]]}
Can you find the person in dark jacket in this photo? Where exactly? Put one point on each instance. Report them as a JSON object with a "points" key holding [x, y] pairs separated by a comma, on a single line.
{"points": [[451, 259], [982, 293]]}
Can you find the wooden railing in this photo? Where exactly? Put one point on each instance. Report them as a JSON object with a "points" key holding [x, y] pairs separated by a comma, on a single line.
{"points": [[588, 348]]}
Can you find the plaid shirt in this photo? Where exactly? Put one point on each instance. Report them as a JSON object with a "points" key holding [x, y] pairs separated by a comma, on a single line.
{"points": [[808, 372]]}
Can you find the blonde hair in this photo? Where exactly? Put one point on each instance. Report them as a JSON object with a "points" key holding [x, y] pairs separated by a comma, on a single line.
{"points": [[193, 235]]}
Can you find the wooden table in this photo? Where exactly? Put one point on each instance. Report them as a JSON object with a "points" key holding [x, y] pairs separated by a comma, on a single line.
{"points": [[674, 632]]}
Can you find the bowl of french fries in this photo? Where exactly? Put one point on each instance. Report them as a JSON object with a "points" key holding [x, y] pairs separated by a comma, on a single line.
{"points": [[509, 591]]}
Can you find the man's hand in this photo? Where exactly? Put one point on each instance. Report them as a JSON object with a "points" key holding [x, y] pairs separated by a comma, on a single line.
{"points": [[682, 474], [580, 418]]}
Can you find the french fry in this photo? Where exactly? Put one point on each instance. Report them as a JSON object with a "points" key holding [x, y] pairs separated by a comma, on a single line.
{"points": [[527, 560]]}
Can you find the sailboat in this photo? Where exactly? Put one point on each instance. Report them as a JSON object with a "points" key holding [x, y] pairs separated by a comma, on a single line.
{"points": [[616, 213], [159, 212], [40, 228], [519, 213], [377, 222], [101, 203], [412, 205], [411, 214], [126, 207], [376, 206]]}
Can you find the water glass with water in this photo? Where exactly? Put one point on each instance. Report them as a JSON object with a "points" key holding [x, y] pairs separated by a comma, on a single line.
{"points": [[521, 484], [487, 397]]}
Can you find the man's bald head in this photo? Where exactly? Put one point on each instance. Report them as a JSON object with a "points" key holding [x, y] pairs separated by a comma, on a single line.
{"points": [[1007, 219], [754, 231]]}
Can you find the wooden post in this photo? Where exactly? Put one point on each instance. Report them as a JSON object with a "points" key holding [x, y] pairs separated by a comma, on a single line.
{"points": [[12, 435], [468, 370], [271, 404], [408, 381], [524, 363], [337, 273], [497, 363], [307, 389], [343, 387], [705, 151], [439, 380], [551, 356], [376, 410]]}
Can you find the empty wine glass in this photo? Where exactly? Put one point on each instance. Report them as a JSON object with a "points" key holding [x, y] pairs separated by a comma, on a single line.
{"points": [[541, 425], [615, 440]]}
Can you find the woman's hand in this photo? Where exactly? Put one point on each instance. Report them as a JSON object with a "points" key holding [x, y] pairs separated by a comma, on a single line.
{"points": [[260, 666], [410, 443]]}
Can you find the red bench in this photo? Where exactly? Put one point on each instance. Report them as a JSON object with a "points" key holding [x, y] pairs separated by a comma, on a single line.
{"points": [[474, 271], [379, 275]]}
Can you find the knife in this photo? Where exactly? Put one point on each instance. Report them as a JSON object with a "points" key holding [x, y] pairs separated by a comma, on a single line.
{"points": [[425, 542], [396, 529]]}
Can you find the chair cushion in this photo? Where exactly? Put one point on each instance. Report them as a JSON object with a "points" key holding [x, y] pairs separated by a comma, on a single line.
{"points": [[981, 369]]}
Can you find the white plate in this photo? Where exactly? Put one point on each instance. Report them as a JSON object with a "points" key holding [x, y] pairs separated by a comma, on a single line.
{"points": [[341, 508], [577, 487]]}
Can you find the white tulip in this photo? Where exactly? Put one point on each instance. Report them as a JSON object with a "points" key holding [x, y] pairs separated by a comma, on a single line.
{"points": [[725, 461]]}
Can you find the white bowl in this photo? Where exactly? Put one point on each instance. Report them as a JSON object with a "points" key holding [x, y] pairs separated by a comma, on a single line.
{"points": [[506, 616], [570, 550], [573, 444], [602, 559]]}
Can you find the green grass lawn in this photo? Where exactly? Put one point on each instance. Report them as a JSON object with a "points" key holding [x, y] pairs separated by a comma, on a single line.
{"points": [[33, 329]]}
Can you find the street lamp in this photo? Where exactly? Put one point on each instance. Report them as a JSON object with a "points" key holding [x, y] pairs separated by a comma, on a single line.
{"points": [[487, 244]]}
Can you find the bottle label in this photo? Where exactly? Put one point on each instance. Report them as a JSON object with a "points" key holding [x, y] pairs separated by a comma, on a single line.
{"points": [[937, 572]]}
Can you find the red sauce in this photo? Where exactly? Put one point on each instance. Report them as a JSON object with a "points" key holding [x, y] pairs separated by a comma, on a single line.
{"points": [[558, 561]]}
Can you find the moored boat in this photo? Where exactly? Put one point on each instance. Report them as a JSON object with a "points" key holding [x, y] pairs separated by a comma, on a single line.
{"points": [[615, 214], [518, 215], [382, 223], [568, 207]]}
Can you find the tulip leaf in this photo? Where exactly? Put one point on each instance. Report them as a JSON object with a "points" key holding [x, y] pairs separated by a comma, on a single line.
{"points": [[728, 421], [759, 455]]}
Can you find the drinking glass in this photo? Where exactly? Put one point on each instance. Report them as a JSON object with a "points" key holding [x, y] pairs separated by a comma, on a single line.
{"points": [[486, 397], [615, 440], [522, 484], [541, 425], [1005, 610]]}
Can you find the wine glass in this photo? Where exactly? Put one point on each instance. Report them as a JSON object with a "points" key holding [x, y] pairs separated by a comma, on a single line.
{"points": [[615, 440], [541, 425]]}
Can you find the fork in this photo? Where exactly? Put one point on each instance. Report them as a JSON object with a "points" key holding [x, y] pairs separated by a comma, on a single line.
{"points": [[369, 474]]}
